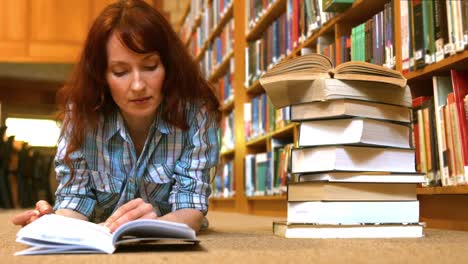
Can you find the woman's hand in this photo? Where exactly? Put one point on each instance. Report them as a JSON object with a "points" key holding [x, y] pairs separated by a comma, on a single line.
{"points": [[42, 208], [135, 209]]}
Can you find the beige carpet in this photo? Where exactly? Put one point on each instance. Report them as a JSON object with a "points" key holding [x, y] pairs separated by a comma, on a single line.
{"points": [[236, 238]]}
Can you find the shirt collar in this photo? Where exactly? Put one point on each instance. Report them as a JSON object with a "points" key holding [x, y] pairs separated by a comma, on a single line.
{"points": [[115, 124]]}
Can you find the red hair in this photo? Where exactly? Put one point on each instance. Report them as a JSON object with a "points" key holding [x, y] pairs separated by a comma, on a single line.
{"points": [[143, 30]]}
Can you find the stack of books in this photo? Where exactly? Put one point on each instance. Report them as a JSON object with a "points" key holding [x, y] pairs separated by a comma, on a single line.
{"points": [[354, 165]]}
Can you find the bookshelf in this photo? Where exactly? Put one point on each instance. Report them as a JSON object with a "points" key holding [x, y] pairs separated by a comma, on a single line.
{"points": [[441, 207]]}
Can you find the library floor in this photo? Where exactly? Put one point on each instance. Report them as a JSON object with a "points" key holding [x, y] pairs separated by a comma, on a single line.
{"points": [[236, 238]]}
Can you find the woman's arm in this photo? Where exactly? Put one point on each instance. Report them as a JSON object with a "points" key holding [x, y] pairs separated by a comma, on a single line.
{"points": [[191, 189], [190, 217], [71, 213]]}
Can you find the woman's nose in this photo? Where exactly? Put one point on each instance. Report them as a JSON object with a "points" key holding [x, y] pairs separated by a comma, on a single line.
{"points": [[137, 82]]}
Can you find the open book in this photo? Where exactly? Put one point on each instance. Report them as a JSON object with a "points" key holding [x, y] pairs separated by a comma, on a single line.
{"points": [[55, 234], [312, 78], [316, 66]]}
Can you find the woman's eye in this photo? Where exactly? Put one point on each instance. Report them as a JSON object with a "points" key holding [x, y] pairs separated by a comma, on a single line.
{"points": [[119, 74], [151, 67]]}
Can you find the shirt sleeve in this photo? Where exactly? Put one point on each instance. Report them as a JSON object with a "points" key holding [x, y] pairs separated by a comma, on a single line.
{"points": [[192, 171], [74, 194]]}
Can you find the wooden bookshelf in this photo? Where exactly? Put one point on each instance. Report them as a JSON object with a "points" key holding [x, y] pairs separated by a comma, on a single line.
{"points": [[255, 89], [216, 31], [221, 68], [268, 198], [229, 152], [442, 190], [227, 107], [442, 207], [273, 11], [452, 62]]}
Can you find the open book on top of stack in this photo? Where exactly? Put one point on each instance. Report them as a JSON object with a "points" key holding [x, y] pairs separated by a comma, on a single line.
{"points": [[312, 77], [354, 162]]}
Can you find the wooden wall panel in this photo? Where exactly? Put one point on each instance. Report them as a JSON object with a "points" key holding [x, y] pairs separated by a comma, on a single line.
{"points": [[97, 6], [13, 28], [57, 20], [13, 20]]}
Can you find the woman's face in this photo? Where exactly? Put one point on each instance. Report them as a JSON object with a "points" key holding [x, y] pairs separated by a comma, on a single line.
{"points": [[135, 80]]}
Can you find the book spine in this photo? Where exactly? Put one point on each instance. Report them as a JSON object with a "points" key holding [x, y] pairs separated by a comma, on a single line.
{"points": [[418, 34], [460, 90]]}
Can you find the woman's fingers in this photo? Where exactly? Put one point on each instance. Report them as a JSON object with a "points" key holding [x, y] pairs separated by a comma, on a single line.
{"points": [[132, 210], [44, 207], [24, 218], [123, 210]]}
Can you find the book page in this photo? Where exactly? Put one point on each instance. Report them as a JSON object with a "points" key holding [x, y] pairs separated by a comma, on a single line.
{"points": [[357, 70], [144, 229], [52, 231], [312, 63]]}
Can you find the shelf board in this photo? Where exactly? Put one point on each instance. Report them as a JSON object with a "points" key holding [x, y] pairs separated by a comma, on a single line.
{"points": [[255, 89], [228, 152], [462, 189], [184, 16], [223, 199], [281, 132], [194, 28], [285, 131], [267, 198], [273, 11], [222, 67], [258, 141], [216, 31], [443, 65], [312, 39], [227, 107], [361, 11]]}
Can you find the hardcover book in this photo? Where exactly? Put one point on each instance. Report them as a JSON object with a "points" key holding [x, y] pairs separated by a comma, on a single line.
{"points": [[347, 108], [347, 231], [362, 131], [353, 212], [351, 191], [352, 158]]}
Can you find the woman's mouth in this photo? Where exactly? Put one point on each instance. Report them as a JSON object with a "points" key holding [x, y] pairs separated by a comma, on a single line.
{"points": [[141, 100]]}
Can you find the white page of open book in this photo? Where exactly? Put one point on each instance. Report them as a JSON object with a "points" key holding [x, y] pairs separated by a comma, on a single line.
{"points": [[55, 229]]}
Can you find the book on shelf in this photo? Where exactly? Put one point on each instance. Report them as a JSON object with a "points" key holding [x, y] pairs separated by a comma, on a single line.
{"points": [[355, 191], [353, 212], [353, 131], [358, 176], [460, 90], [348, 231], [352, 158], [56, 234], [456, 165], [417, 136], [428, 124], [442, 86], [347, 108]]}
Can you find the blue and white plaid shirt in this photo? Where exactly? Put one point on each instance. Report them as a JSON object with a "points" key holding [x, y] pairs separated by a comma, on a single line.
{"points": [[171, 173]]}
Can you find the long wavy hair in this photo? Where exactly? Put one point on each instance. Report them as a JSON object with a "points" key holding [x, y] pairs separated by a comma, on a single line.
{"points": [[142, 29]]}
